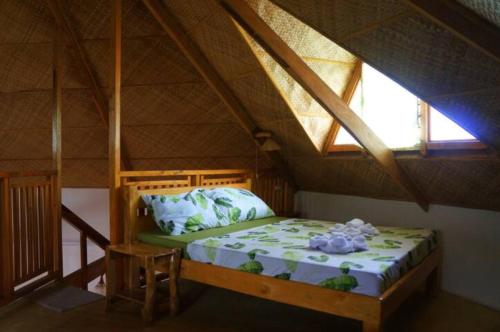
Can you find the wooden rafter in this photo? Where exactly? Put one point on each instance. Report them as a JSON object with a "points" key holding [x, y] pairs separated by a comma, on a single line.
{"points": [[98, 96], [346, 97], [465, 23], [322, 93], [193, 53]]}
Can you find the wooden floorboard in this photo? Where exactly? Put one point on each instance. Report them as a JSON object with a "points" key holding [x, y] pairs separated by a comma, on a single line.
{"points": [[210, 309]]}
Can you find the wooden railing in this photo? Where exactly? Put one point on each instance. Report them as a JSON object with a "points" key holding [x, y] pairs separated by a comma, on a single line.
{"points": [[30, 232], [87, 272], [276, 192]]}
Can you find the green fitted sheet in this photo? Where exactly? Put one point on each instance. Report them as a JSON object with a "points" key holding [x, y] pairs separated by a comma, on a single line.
{"points": [[158, 238]]}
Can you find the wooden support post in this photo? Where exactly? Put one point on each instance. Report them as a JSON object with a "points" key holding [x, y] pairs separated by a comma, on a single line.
{"points": [[114, 126], [251, 22], [84, 261], [57, 154], [6, 243]]}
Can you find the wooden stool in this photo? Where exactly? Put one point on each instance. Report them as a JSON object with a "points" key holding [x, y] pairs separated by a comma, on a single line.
{"points": [[150, 258]]}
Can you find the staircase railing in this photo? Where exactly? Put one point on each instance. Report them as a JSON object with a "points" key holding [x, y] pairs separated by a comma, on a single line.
{"points": [[87, 272]]}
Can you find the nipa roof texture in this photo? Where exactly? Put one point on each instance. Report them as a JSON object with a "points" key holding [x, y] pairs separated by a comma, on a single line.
{"points": [[172, 119]]}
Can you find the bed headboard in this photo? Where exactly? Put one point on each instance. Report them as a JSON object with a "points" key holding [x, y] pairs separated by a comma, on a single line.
{"points": [[137, 183]]}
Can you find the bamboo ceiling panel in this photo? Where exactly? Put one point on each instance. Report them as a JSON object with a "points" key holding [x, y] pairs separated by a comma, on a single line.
{"points": [[361, 177], [85, 143], [488, 9], [468, 183], [188, 103], [25, 67], [168, 141], [26, 110], [26, 21], [25, 144], [78, 110]]}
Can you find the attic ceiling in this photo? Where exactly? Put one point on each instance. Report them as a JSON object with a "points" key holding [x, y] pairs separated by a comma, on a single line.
{"points": [[173, 120]]}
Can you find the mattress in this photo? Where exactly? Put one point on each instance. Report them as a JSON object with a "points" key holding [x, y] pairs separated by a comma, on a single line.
{"points": [[280, 249], [158, 238]]}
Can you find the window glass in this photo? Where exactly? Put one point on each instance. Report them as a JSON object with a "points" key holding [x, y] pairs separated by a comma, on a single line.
{"points": [[387, 108], [444, 129]]}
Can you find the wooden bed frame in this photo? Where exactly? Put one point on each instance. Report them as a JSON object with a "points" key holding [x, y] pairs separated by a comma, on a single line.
{"points": [[372, 311]]}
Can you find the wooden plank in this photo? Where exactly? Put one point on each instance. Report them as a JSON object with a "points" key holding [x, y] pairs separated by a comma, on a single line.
{"points": [[345, 304], [323, 94], [463, 22], [114, 125], [193, 53], [346, 97], [24, 234], [6, 245], [55, 208], [63, 20], [17, 233]]}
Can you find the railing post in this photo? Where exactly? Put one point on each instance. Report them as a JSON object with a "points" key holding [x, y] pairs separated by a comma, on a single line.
{"points": [[83, 260], [6, 240]]}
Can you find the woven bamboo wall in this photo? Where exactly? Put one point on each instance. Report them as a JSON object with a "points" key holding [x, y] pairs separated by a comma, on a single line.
{"points": [[172, 120]]}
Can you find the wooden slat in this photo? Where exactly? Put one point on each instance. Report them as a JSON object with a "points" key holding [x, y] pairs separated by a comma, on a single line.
{"points": [[346, 97], [24, 234], [322, 93], [17, 229], [41, 230], [6, 245], [114, 125], [136, 174], [193, 53], [463, 22]]}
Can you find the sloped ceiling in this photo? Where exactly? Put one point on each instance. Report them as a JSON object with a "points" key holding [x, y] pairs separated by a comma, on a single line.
{"points": [[172, 120]]}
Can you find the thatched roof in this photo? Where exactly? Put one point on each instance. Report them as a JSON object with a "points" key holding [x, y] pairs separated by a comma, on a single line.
{"points": [[173, 120]]}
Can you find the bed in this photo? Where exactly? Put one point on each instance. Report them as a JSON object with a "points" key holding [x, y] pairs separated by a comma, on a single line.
{"points": [[269, 257]]}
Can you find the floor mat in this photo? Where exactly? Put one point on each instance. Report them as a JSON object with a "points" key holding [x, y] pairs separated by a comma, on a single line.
{"points": [[63, 298]]}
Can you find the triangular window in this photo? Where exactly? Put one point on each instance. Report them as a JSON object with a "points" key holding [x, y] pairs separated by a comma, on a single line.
{"points": [[398, 117]]}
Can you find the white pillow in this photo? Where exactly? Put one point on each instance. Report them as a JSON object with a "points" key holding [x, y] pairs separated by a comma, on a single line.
{"points": [[239, 204], [185, 213]]}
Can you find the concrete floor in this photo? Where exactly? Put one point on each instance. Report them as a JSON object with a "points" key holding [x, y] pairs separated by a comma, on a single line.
{"points": [[210, 309]]}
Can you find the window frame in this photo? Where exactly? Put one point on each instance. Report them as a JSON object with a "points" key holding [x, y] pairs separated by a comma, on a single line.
{"points": [[426, 144]]}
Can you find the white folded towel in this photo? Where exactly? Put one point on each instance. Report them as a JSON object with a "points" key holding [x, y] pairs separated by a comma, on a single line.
{"points": [[344, 238]]}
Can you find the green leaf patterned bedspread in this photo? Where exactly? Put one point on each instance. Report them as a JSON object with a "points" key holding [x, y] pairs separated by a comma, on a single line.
{"points": [[280, 250]]}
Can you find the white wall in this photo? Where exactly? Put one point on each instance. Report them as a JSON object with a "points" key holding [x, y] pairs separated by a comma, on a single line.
{"points": [[471, 238], [92, 206]]}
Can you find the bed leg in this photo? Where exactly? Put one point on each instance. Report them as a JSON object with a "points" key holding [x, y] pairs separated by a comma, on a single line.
{"points": [[433, 282], [372, 326]]}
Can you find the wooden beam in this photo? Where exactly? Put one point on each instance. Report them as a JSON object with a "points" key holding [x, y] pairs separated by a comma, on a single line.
{"points": [[463, 22], [114, 125], [193, 53], [57, 150], [346, 97], [322, 93], [98, 96]]}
